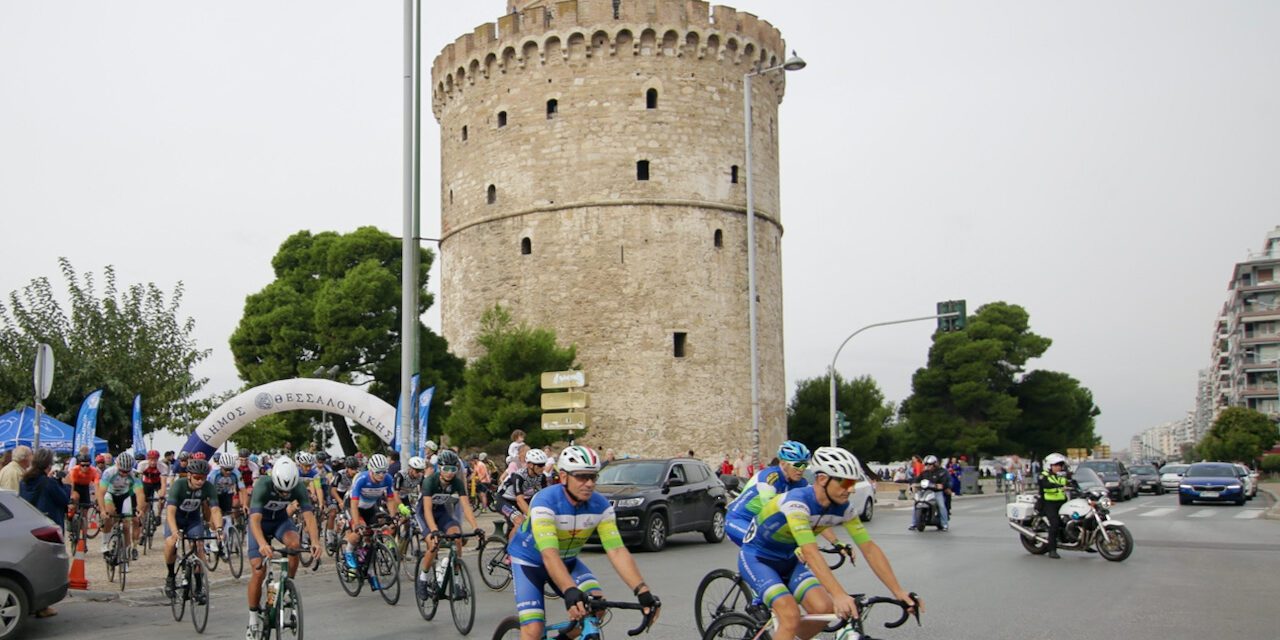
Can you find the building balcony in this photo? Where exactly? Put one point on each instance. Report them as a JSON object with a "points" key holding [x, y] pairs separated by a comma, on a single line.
{"points": [[1256, 390], [1258, 287], [1259, 338], [1260, 314]]}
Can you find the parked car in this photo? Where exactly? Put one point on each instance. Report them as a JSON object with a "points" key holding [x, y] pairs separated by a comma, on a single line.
{"points": [[864, 495], [1171, 475], [1147, 477], [33, 563], [1120, 484], [654, 499], [1248, 481], [1211, 482]]}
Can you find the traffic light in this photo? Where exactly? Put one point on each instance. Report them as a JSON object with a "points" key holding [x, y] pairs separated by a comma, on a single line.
{"points": [[955, 322], [842, 425]]}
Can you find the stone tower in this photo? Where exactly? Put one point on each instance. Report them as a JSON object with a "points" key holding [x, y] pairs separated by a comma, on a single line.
{"points": [[592, 181]]}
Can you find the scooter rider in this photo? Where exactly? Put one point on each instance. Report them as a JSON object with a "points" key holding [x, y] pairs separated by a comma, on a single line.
{"points": [[1053, 494], [937, 477]]}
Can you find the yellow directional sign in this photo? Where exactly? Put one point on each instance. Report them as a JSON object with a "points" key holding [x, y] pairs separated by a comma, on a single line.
{"points": [[567, 400], [564, 379], [571, 420], [1104, 451]]}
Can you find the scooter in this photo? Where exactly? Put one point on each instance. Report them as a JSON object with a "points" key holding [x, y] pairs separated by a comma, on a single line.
{"points": [[1086, 525], [926, 498]]}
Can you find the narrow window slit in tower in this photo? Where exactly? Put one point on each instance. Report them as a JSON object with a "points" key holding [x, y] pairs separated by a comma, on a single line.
{"points": [[502, 119], [492, 196], [719, 238], [526, 246], [464, 133], [651, 99], [552, 107], [642, 170], [679, 343], [733, 174]]}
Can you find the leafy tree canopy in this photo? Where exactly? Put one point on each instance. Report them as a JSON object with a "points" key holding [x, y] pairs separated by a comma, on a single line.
{"points": [[1055, 413], [335, 306], [864, 406], [965, 399], [1238, 435], [501, 391], [124, 342]]}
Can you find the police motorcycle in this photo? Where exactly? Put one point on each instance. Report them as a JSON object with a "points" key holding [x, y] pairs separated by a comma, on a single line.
{"points": [[926, 497], [1086, 521]]}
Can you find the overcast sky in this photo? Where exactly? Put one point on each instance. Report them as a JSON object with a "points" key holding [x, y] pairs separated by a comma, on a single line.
{"points": [[1102, 164]]}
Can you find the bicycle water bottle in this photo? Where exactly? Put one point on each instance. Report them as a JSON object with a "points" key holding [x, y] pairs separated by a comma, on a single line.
{"points": [[271, 593], [361, 553], [441, 565]]}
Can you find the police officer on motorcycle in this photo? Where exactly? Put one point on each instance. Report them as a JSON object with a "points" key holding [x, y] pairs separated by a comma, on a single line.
{"points": [[1053, 483]]}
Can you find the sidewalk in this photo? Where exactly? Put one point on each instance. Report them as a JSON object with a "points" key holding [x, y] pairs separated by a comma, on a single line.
{"points": [[1271, 488]]}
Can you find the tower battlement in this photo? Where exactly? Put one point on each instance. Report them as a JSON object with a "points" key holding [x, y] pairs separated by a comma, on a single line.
{"points": [[585, 29]]}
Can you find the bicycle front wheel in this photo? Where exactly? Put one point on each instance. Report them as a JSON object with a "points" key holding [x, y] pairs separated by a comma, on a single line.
{"points": [[214, 558], [289, 614], [386, 568], [720, 592], [735, 626], [178, 603], [462, 598], [235, 555], [352, 580], [494, 564], [113, 553], [427, 606], [92, 524], [198, 587], [508, 629]]}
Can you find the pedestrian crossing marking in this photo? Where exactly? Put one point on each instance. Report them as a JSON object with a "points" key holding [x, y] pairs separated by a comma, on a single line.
{"points": [[1116, 512], [1249, 515], [1156, 513], [1203, 513]]}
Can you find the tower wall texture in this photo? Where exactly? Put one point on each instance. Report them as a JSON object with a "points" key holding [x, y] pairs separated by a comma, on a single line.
{"points": [[614, 264]]}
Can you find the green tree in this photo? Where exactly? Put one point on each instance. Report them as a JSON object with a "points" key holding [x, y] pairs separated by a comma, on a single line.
{"points": [[501, 391], [864, 406], [125, 342], [963, 400], [1238, 435], [1055, 413], [335, 306]]}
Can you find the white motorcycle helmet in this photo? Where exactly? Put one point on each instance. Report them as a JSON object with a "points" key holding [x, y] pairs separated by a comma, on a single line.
{"points": [[1054, 458]]}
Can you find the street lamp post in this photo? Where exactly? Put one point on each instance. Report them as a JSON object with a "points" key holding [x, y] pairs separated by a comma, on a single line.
{"points": [[831, 371], [794, 63]]}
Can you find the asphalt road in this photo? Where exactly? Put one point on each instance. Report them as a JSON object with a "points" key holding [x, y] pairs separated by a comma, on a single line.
{"points": [[1197, 571]]}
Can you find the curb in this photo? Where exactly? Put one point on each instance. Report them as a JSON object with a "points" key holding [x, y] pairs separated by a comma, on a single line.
{"points": [[1272, 513], [146, 596]]}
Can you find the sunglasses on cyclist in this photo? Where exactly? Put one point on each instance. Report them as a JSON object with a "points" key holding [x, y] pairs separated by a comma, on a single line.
{"points": [[847, 483], [800, 466], [448, 469], [585, 477]]}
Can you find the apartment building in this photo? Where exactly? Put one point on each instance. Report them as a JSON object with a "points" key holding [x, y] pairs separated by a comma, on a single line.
{"points": [[1246, 348]]}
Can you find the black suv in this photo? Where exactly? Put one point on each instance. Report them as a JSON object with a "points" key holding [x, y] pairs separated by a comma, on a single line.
{"points": [[656, 498]]}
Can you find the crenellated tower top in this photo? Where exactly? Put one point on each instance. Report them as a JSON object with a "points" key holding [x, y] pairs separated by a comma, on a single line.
{"points": [[532, 30]]}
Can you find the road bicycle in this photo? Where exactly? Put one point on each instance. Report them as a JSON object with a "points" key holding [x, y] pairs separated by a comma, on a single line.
{"points": [[376, 562], [409, 546], [757, 626], [449, 580], [191, 583], [230, 550], [592, 626], [493, 561], [118, 554], [723, 591], [83, 524], [282, 612], [151, 521]]}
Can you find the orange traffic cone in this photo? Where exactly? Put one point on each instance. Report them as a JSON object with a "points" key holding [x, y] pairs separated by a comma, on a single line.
{"points": [[76, 578]]}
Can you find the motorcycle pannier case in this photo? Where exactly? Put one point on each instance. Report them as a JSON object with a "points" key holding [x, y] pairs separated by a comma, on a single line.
{"points": [[1020, 511]]}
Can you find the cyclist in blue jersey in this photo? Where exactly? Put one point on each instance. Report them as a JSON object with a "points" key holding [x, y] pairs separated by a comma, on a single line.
{"points": [[226, 481], [309, 476], [788, 474], [787, 523], [370, 489], [545, 550]]}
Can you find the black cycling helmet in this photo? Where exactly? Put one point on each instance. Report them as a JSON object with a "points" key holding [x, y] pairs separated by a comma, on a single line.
{"points": [[322, 457], [448, 458], [351, 463], [198, 466]]}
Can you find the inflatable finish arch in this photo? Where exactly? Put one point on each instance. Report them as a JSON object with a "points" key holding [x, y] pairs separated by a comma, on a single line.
{"points": [[302, 394]]}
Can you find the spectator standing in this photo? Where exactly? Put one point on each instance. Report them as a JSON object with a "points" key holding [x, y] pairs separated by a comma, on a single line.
{"points": [[11, 474], [726, 467], [517, 441], [740, 466], [47, 495]]}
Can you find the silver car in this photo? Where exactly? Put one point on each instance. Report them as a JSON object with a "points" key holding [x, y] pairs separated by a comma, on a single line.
{"points": [[33, 563], [1247, 481], [1171, 475]]}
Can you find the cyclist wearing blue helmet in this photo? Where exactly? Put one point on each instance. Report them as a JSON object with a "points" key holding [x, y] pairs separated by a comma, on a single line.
{"points": [[793, 459]]}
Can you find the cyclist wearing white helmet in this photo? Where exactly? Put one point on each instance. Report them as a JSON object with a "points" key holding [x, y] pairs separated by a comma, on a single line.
{"points": [[519, 489], [309, 476], [768, 560], [269, 518], [441, 495], [120, 493], [545, 549], [1053, 483], [409, 486], [371, 488], [230, 488]]}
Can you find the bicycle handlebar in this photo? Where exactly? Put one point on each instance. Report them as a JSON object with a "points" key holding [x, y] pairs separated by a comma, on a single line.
{"points": [[456, 536], [838, 551], [599, 605], [908, 609]]}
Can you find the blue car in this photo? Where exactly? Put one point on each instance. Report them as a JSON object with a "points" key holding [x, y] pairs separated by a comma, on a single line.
{"points": [[1210, 482]]}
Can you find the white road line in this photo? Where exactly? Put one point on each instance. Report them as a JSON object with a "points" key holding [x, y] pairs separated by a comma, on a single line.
{"points": [[1156, 513], [999, 508], [1122, 510], [1248, 515], [1203, 513]]}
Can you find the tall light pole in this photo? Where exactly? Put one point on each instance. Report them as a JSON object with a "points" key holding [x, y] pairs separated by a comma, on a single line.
{"points": [[409, 244], [794, 63]]}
